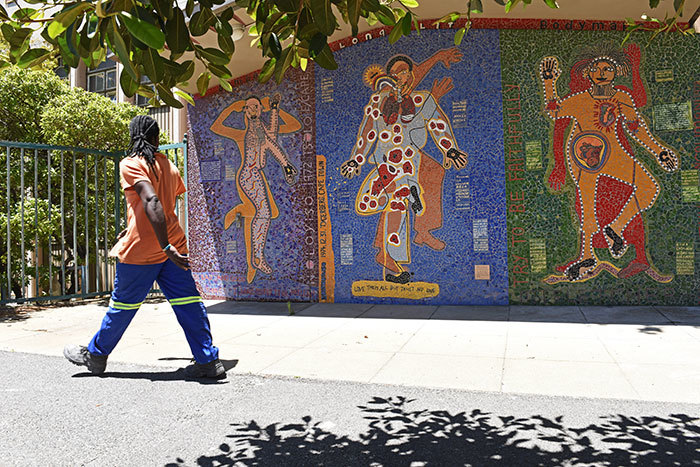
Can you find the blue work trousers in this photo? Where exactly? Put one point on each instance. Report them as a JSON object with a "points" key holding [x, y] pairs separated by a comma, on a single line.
{"points": [[131, 286]]}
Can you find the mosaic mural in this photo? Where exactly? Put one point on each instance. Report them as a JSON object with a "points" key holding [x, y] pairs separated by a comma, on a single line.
{"points": [[601, 167], [536, 163]]}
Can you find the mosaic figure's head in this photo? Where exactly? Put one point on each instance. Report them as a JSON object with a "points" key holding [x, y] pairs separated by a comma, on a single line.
{"points": [[602, 64], [253, 108], [400, 68]]}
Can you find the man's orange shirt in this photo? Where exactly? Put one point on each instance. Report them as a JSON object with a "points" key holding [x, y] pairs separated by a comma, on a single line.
{"points": [[140, 245]]}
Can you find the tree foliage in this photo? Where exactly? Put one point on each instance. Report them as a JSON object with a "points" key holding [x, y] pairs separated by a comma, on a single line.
{"points": [[159, 39], [39, 107]]}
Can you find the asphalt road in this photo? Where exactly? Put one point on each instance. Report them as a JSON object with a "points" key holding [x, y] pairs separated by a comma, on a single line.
{"points": [[51, 413]]}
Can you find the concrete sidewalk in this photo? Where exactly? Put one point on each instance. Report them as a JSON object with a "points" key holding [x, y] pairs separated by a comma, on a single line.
{"points": [[646, 353]]}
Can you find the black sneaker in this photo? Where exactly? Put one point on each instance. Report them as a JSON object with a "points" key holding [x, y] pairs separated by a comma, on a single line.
{"points": [[79, 355], [214, 369]]}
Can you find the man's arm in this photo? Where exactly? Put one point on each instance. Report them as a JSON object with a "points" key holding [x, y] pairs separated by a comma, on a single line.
{"points": [[220, 129], [366, 138], [156, 216], [549, 73], [438, 125], [446, 57], [638, 129]]}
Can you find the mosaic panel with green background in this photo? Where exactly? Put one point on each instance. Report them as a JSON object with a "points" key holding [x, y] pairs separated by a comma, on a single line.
{"points": [[543, 225]]}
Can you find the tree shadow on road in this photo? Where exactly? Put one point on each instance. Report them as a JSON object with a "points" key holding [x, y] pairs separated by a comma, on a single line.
{"points": [[399, 436], [172, 375]]}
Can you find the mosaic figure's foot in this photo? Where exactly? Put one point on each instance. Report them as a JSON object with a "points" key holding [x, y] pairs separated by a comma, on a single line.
{"points": [[618, 247], [251, 274], [579, 270], [429, 240], [402, 278], [632, 269], [262, 265]]}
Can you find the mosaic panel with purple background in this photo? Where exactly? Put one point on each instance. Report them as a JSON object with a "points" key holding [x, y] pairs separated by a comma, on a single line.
{"points": [[218, 255]]}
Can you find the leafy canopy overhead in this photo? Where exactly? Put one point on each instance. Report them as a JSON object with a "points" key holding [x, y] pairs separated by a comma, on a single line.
{"points": [[159, 39]]}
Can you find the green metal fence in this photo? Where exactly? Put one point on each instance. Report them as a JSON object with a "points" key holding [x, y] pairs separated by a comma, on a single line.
{"points": [[63, 209]]}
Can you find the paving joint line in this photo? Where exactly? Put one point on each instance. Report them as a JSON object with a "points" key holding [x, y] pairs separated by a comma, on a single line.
{"points": [[425, 321]]}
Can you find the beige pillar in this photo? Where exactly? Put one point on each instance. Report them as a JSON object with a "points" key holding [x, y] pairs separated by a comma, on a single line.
{"points": [[121, 97], [78, 78]]}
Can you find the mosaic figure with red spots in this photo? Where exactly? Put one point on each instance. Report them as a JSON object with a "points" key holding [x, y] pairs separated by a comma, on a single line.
{"points": [[613, 187], [405, 181], [255, 142]]}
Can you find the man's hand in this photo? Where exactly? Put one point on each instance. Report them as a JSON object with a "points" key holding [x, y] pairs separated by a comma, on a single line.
{"points": [[668, 160], [449, 56], [557, 177], [456, 157], [441, 88], [350, 168], [181, 261], [275, 101], [290, 173], [549, 69]]}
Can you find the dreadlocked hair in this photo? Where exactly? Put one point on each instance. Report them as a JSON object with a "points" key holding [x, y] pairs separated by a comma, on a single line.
{"points": [[144, 133]]}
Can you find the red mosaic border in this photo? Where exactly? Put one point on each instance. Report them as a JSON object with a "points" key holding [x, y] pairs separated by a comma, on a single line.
{"points": [[477, 23]]}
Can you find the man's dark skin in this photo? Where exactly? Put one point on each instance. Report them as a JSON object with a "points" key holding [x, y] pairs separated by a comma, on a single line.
{"points": [[156, 215]]}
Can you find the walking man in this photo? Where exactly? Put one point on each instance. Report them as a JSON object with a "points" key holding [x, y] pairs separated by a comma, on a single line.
{"points": [[153, 248]]}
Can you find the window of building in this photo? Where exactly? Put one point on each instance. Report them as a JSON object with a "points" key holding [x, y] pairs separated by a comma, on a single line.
{"points": [[103, 79], [143, 101]]}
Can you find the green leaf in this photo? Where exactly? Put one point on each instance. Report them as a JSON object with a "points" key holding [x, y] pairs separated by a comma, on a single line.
{"points": [[386, 16], [395, 34], [406, 24], [152, 65], [185, 96], [288, 6], [678, 5], [165, 8], [176, 33], [118, 46], [318, 42], [128, 84], [70, 59], [409, 3], [201, 21], [66, 17], [32, 57], [203, 83], [283, 64], [26, 13], [354, 9], [551, 3], [226, 44], [267, 70], [477, 7], [459, 35], [510, 5], [220, 71], [215, 56], [143, 31], [323, 16], [303, 62], [654, 3], [326, 59], [275, 46], [166, 95], [225, 84]]}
